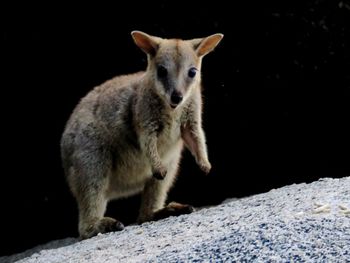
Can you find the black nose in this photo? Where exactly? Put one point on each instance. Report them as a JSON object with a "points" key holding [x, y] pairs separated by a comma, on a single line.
{"points": [[176, 98]]}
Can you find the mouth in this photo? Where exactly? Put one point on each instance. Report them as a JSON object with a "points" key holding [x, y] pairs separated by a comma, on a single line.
{"points": [[173, 106]]}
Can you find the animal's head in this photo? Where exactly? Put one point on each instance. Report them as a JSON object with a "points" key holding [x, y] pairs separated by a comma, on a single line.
{"points": [[174, 65]]}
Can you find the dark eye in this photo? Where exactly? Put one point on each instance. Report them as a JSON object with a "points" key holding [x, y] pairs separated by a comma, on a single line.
{"points": [[162, 72], [192, 72]]}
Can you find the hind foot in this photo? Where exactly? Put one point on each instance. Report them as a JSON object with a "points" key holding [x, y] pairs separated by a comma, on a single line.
{"points": [[103, 225], [173, 209]]}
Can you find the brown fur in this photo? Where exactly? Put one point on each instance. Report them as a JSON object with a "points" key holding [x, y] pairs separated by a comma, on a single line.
{"points": [[126, 135]]}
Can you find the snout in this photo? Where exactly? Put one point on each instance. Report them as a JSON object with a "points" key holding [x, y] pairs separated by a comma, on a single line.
{"points": [[175, 99]]}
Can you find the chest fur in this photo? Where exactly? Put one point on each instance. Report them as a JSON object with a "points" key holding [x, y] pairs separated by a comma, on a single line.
{"points": [[169, 134]]}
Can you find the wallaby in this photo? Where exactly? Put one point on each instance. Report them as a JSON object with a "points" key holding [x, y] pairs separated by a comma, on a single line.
{"points": [[126, 135]]}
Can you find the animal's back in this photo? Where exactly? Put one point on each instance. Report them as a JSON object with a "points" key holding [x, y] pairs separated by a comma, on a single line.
{"points": [[102, 120], [114, 90]]}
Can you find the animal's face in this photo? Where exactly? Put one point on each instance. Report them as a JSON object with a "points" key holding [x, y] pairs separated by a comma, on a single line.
{"points": [[175, 69], [174, 65]]}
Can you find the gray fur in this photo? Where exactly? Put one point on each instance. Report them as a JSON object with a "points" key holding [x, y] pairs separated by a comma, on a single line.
{"points": [[125, 130]]}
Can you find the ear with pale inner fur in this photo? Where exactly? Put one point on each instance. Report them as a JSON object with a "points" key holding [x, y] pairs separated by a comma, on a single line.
{"points": [[203, 46], [147, 43]]}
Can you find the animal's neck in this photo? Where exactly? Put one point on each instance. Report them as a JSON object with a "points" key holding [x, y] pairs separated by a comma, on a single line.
{"points": [[151, 96]]}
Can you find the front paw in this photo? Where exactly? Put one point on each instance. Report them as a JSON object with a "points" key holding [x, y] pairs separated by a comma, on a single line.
{"points": [[205, 166], [160, 173]]}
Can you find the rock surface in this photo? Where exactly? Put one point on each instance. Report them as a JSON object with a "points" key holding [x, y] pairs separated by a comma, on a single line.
{"points": [[296, 223]]}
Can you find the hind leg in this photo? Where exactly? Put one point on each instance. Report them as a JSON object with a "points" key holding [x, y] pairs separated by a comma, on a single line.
{"points": [[154, 196], [89, 183], [90, 224], [92, 207]]}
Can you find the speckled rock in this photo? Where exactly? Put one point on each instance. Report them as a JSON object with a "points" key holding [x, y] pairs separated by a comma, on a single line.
{"points": [[296, 223]]}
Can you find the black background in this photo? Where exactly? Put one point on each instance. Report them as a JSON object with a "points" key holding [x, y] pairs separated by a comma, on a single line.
{"points": [[276, 99]]}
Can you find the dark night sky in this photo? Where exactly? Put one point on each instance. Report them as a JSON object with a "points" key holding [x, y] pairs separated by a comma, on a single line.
{"points": [[276, 99]]}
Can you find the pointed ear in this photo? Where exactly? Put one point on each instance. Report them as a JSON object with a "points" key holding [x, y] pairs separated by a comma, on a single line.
{"points": [[147, 43], [203, 46]]}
